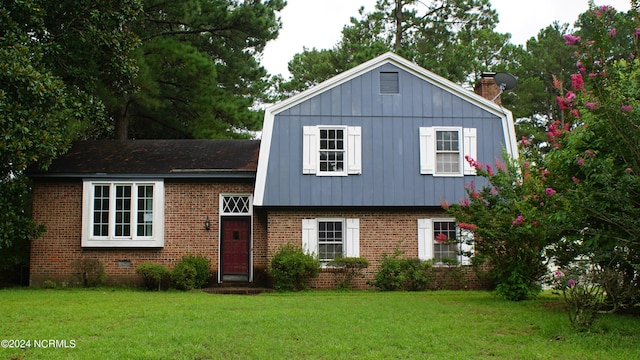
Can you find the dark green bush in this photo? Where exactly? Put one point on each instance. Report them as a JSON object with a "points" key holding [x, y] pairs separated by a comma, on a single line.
{"points": [[152, 274], [90, 271], [419, 274], [292, 269], [191, 272], [398, 273], [346, 269], [517, 288]]}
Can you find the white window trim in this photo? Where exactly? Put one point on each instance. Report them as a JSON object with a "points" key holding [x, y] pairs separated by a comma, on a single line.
{"points": [[426, 241], [468, 147], [350, 241], [225, 195], [352, 151], [89, 240]]}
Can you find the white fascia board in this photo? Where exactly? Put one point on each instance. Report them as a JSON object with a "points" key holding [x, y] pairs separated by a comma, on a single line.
{"points": [[263, 158]]}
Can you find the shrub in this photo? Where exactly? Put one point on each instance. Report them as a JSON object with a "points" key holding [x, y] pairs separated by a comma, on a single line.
{"points": [[152, 274], [292, 269], [516, 288], [191, 272], [346, 269], [419, 274], [398, 273], [90, 271]]}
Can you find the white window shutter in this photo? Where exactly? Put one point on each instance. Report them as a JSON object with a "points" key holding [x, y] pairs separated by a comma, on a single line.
{"points": [[425, 239], [310, 236], [427, 150], [353, 238], [309, 149], [466, 246], [354, 150], [470, 149]]}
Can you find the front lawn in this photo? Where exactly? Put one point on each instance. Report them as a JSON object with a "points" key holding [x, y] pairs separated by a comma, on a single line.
{"points": [[119, 324]]}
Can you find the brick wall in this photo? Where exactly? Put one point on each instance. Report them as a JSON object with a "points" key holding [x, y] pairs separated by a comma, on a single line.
{"points": [[380, 233], [58, 206]]}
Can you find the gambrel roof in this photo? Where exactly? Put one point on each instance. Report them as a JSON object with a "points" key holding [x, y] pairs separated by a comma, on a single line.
{"points": [[340, 100]]}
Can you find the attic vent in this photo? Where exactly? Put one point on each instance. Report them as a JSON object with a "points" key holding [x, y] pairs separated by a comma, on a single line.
{"points": [[389, 83]]}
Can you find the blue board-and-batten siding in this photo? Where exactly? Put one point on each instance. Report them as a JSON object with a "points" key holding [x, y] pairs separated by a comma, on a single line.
{"points": [[390, 144]]}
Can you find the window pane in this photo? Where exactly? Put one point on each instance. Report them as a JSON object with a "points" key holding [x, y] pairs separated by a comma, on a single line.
{"points": [[101, 210], [123, 210], [447, 248], [145, 211], [447, 141], [332, 150], [447, 163], [330, 240]]}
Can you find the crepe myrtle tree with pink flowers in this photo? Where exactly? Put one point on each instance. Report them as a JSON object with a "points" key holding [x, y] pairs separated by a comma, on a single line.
{"points": [[595, 160], [512, 221]]}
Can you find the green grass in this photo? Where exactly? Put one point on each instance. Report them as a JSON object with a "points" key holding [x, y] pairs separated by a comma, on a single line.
{"points": [[118, 324]]}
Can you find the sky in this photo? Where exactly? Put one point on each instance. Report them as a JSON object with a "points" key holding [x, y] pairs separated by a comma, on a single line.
{"points": [[318, 23]]}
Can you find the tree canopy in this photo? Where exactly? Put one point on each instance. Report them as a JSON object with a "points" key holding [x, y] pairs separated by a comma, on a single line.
{"points": [[199, 73], [431, 34]]}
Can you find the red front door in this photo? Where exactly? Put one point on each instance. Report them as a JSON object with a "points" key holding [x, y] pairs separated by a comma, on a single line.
{"points": [[236, 235]]}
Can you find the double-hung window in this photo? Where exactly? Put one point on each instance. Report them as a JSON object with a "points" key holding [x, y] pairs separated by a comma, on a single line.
{"points": [[331, 238], [332, 150], [123, 214], [443, 150], [442, 240]]}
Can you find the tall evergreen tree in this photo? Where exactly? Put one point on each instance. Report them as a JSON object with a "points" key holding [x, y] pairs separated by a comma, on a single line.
{"points": [[199, 73]]}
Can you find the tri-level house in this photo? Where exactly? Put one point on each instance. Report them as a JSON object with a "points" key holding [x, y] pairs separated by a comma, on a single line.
{"points": [[358, 165]]}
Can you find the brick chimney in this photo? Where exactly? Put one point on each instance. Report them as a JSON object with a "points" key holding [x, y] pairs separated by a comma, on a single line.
{"points": [[487, 88]]}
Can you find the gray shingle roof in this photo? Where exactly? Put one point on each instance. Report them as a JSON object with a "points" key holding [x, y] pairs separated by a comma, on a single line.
{"points": [[156, 158]]}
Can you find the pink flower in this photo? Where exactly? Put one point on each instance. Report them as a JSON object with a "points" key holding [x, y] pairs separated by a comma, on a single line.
{"points": [[571, 40], [613, 32], [626, 108], [637, 32], [591, 105], [464, 203], [549, 191], [628, 169], [518, 221], [576, 81], [473, 162], [575, 113], [575, 180], [440, 238], [558, 273], [470, 227], [490, 170], [526, 164], [590, 153], [525, 142], [566, 102], [445, 204], [535, 223], [542, 203], [571, 283], [580, 161]]}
